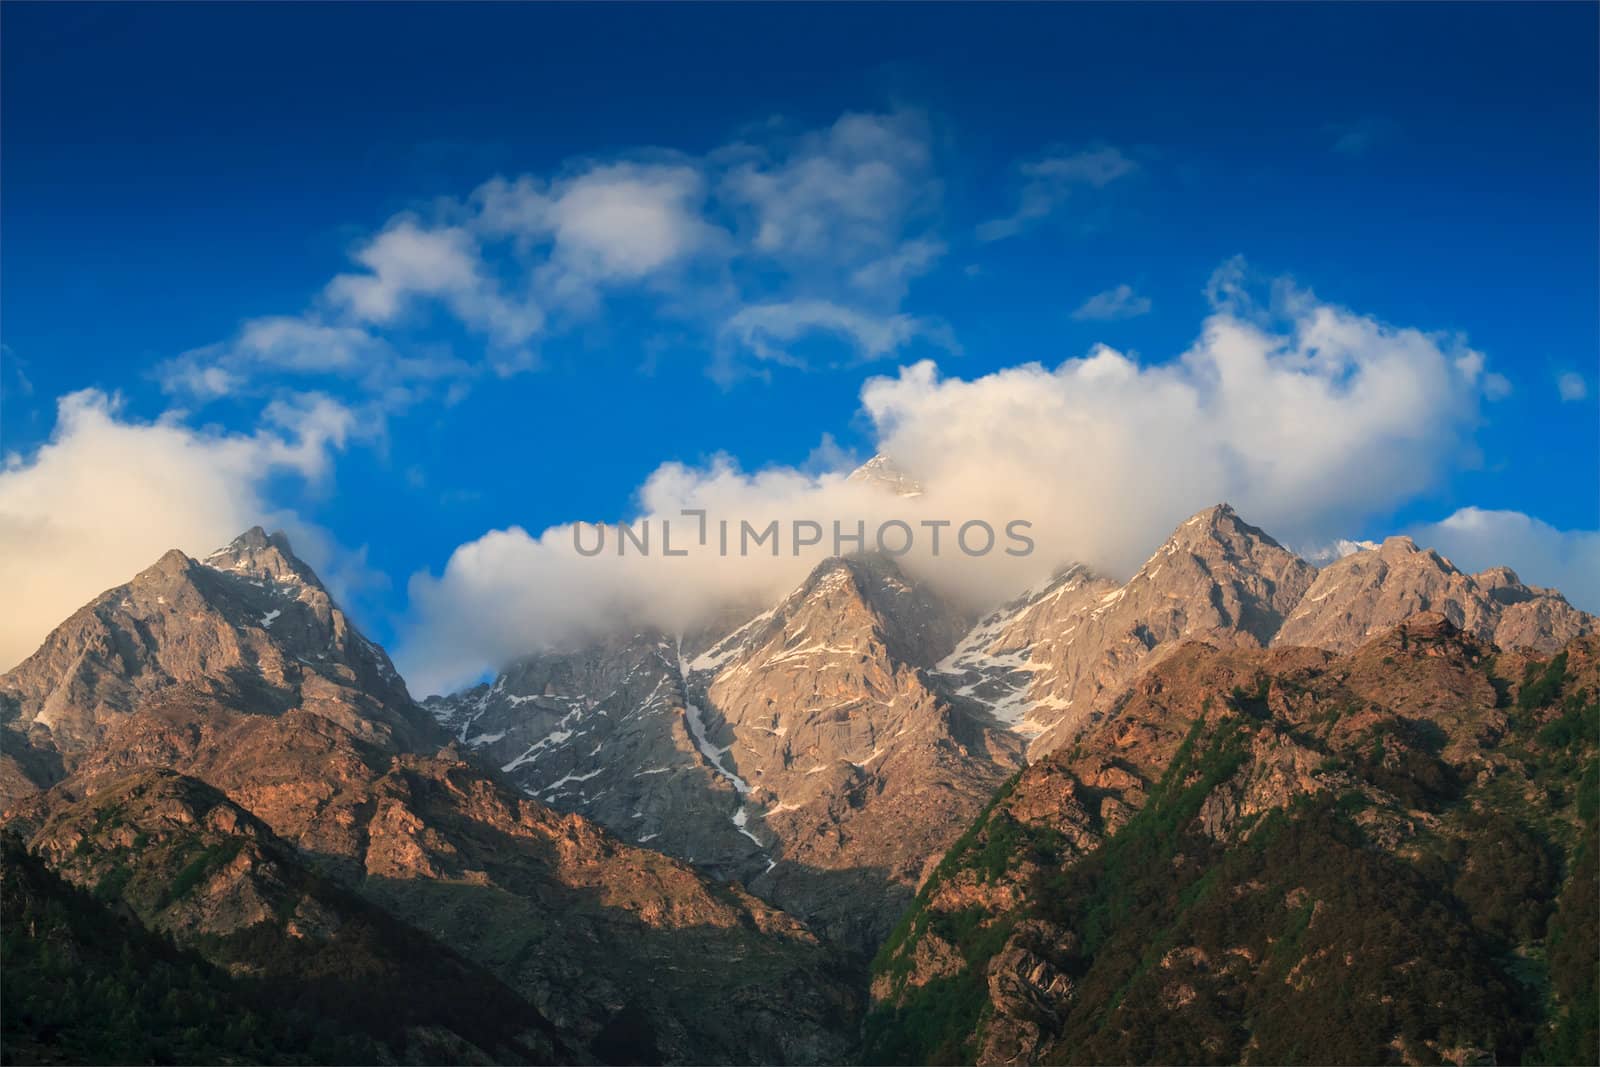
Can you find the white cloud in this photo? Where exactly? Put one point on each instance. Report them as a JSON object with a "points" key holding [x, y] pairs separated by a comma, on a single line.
{"points": [[106, 496], [766, 330], [1306, 430], [1119, 303], [301, 347], [627, 221], [892, 273], [1475, 539], [1049, 182], [1572, 387], [1496, 386], [843, 214], [408, 261], [604, 225], [1097, 168], [840, 196], [1308, 423]]}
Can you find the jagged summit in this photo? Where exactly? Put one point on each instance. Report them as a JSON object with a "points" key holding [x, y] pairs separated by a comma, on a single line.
{"points": [[1219, 524], [869, 593], [1376, 588], [1056, 656], [840, 703], [262, 555], [824, 752]]}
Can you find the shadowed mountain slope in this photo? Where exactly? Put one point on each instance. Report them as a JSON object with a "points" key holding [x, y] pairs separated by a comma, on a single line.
{"points": [[301, 725]]}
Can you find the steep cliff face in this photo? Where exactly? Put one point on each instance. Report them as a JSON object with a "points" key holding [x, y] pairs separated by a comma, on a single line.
{"points": [[853, 767], [1276, 856], [320, 765], [605, 731]]}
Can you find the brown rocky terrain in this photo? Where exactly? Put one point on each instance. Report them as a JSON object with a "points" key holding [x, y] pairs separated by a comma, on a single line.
{"points": [[1081, 638], [1277, 856], [603, 731]]}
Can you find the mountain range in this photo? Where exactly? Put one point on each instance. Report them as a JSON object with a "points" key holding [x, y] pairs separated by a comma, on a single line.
{"points": [[861, 823]]}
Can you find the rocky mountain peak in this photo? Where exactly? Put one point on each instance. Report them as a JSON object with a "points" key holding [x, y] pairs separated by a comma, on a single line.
{"points": [[250, 626], [1502, 584], [881, 472], [1059, 655], [1495, 577], [869, 592], [1402, 547], [255, 553], [173, 562], [1220, 525]]}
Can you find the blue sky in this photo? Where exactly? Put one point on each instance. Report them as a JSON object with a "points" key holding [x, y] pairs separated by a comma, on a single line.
{"points": [[828, 194]]}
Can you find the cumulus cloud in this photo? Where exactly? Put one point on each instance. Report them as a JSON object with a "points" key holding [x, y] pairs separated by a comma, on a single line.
{"points": [[410, 261], [107, 495], [1305, 428], [1307, 417], [1475, 538], [603, 225], [840, 195], [1119, 303], [1050, 181], [1572, 387]]}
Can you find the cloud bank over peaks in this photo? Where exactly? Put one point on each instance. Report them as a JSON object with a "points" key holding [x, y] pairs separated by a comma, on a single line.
{"points": [[1310, 418]]}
